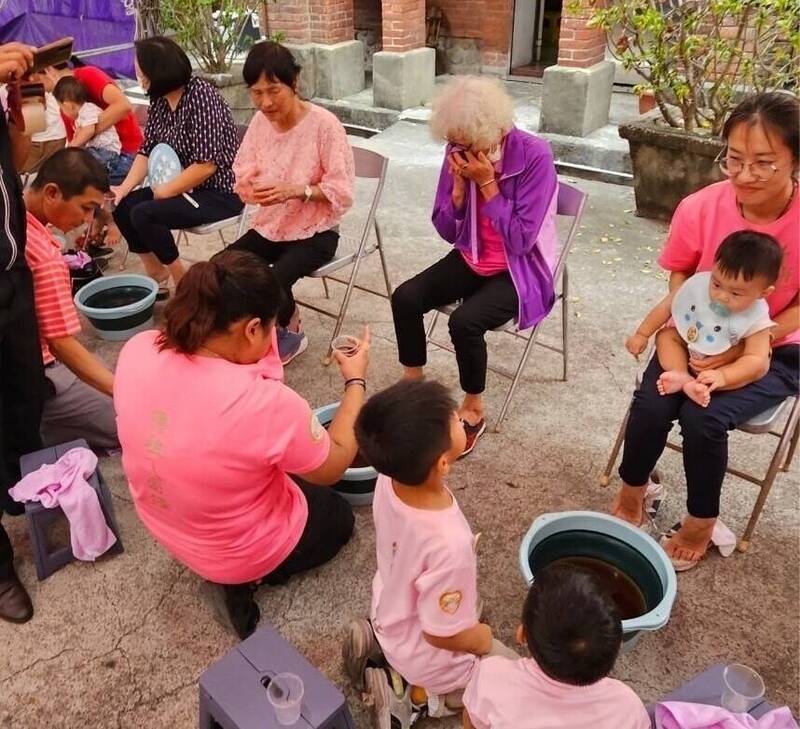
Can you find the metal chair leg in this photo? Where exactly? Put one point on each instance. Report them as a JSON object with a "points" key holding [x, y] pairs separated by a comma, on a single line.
{"points": [[345, 303], [325, 286], [565, 320], [384, 267], [769, 479], [222, 239], [431, 326], [792, 448], [605, 478], [517, 375]]}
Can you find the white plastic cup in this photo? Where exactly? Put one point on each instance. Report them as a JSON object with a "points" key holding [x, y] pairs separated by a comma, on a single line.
{"points": [[743, 687], [285, 693], [345, 344]]}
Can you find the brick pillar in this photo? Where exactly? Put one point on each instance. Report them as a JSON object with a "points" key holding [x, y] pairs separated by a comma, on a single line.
{"points": [[403, 25], [496, 26], [331, 21], [579, 46], [291, 17]]}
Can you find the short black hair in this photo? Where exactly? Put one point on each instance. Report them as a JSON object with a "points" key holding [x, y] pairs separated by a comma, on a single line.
{"points": [[573, 626], [74, 170], [274, 61], [68, 88], [751, 254], [777, 111], [165, 64], [403, 430]]}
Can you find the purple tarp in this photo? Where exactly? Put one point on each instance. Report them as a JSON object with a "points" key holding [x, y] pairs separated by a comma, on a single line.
{"points": [[93, 24]]}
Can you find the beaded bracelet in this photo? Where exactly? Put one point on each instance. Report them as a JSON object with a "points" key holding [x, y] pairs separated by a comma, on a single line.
{"points": [[356, 381]]}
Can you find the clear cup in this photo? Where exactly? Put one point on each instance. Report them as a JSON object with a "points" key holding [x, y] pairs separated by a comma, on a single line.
{"points": [[743, 687], [285, 693], [346, 344]]}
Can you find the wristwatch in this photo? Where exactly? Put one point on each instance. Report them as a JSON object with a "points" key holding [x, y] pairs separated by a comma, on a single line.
{"points": [[307, 193]]}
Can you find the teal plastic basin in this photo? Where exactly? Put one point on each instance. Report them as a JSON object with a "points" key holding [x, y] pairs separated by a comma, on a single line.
{"points": [[118, 323], [604, 537]]}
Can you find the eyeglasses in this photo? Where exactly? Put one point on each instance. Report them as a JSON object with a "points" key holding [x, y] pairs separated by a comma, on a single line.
{"points": [[733, 167]]}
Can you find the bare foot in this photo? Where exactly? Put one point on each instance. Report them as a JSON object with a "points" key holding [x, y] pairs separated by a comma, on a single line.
{"points": [[692, 539], [472, 417], [113, 235], [413, 373], [698, 392], [672, 381], [629, 504]]}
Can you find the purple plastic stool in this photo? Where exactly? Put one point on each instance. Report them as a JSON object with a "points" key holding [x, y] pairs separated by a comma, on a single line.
{"points": [[40, 518], [706, 688], [233, 691]]}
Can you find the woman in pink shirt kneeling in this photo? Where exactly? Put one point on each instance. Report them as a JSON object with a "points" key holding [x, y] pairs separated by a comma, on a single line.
{"points": [[210, 434], [296, 164], [496, 205], [761, 161], [574, 633]]}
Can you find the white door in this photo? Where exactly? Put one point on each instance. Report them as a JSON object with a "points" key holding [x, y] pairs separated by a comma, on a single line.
{"points": [[524, 33]]}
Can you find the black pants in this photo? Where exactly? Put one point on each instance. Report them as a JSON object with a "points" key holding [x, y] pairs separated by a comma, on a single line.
{"points": [[22, 390], [290, 260], [147, 224], [488, 302], [704, 430]]}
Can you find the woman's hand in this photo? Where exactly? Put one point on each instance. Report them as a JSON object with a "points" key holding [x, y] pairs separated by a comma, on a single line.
{"points": [[355, 366], [15, 60], [459, 186], [477, 168], [276, 194], [636, 344], [719, 360], [120, 192]]}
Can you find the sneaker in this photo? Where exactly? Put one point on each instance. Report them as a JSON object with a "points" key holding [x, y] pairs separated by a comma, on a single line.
{"points": [[473, 433], [290, 344], [360, 647], [234, 607], [388, 710]]}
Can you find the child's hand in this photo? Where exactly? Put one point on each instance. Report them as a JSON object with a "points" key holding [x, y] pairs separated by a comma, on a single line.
{"points": [[713, 379], [636, 344]]}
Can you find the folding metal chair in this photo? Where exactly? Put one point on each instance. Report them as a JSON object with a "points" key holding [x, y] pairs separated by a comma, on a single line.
{"points": [[220, 225], [570, 204], [766, 422], [368, 165]]}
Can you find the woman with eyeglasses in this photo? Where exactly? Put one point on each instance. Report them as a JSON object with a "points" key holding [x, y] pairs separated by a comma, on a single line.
{"points": [[760, 160]]}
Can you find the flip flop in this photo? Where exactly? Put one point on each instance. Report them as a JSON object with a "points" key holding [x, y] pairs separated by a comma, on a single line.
{"points": [[680, 565]]}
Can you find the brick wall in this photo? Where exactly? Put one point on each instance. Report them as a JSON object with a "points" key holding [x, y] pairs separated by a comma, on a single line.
{"points": [[578, 45], [291, 17], [403, 24], [488, 21], [318, 21]]}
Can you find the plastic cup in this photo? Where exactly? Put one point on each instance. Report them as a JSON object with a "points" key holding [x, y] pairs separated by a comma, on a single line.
{"points": [[285, 693], [345, 344], [743, 687]]}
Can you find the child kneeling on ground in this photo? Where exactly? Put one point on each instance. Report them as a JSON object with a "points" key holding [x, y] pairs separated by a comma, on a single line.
{"points": [[574, 633], [416, 653]]}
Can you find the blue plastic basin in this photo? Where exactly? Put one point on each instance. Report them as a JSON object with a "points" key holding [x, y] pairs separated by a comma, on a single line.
{"points": [[357, 484], [118, 322], [604, 537]]}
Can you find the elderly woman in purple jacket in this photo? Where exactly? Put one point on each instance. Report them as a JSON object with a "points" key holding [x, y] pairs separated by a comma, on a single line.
{"points": [[496, 204]]}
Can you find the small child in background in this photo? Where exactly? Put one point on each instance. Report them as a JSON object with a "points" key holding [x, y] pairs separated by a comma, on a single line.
{"points": [[420, 647], [574, 633], [712, 312], [104, 146]]}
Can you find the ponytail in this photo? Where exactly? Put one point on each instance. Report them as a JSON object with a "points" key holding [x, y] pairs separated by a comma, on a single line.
{"points": [[232, 286]]}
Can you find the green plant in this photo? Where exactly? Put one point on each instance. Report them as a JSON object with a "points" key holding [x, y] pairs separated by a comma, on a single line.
{"points": [[211, 30], [698, 56]]}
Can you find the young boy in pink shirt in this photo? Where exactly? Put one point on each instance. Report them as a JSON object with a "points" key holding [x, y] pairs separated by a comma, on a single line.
{"points": [[421, 645], [574, 633]]}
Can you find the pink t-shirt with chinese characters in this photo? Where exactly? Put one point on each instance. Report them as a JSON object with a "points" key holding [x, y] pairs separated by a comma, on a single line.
{"points": [[704, 219], [503, 693], [426, 582], [492, 258], [206, 446]]}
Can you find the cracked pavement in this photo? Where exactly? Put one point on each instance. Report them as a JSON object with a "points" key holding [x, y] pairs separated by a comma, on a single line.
{"points": [[120, 643]]}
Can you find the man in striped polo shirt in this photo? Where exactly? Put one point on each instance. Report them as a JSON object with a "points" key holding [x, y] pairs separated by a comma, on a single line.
{"points": [[65, 194]]}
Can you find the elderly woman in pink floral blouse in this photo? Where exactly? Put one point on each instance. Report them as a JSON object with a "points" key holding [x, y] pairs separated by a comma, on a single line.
{"points": [[296, 164]]}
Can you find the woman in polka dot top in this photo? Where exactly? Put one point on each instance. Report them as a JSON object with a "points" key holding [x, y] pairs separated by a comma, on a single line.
{"points": [[296, 164]]}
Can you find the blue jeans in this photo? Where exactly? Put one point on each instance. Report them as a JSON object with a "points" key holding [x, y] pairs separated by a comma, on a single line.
{"points": [[117, 165]]}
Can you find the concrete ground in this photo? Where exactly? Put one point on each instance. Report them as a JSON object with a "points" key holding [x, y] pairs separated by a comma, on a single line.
{"points": [[121, 643]]}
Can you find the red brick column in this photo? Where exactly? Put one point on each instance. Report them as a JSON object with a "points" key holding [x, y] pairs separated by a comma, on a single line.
{"points": [[403, 25], [291, 17], [578, 45], [496, 26], [331, 21]]}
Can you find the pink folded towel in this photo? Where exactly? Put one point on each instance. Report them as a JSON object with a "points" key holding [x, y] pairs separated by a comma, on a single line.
{"points": [[683, 715], [64, 483]]}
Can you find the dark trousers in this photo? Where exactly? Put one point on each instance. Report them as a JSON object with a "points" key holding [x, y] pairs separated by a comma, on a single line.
{"points": [[22, 391], [290, 260], [147, 224], [704, 430], [488, 302]]}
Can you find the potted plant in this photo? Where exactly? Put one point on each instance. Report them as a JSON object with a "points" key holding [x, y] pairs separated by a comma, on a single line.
{"points": [[697, 58]]}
